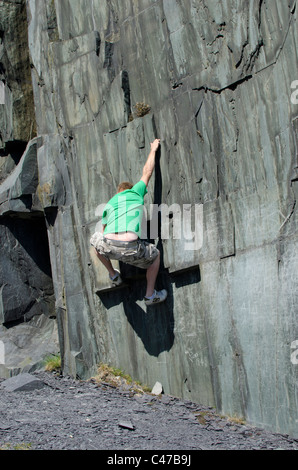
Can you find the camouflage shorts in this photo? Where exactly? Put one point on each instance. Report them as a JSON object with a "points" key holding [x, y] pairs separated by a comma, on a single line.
{"points": [[138, 253]]}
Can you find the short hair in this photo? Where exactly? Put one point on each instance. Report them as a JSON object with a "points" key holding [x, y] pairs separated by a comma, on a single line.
{"points": [[124, 186]]}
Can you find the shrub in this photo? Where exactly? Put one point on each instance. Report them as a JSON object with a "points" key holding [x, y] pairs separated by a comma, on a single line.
{"points": [[141, 109], [53, 362]]}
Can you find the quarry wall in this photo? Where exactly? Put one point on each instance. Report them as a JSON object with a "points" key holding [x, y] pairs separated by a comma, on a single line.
{"points": [[216, 83]]}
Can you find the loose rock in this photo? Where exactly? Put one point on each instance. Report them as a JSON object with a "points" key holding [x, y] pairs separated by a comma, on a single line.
{"points": [[157, 389], [22, 382], [68, 414], [127, 425]]}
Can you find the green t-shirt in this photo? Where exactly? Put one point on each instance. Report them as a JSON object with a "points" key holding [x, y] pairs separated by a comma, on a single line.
{"points": [[124, 212]]}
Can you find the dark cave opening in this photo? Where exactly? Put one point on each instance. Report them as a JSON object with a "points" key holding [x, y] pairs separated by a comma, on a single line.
{"points": [[25, 271]]}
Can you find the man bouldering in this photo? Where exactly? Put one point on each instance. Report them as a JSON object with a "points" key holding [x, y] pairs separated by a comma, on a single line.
{"points": [[121, 231]]}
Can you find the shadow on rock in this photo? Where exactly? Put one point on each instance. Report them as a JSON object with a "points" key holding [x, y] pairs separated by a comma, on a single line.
{"points": [[154, 325]]}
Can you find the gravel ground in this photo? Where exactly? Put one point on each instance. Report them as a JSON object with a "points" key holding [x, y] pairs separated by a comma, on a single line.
{"points": [[67, 414]]}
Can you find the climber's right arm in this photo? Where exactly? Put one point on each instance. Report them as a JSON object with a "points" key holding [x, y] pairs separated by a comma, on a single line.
{"points": [[150, 163]]}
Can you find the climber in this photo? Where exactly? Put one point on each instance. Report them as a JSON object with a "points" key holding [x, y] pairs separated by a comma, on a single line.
{"points": [[121, 229]]}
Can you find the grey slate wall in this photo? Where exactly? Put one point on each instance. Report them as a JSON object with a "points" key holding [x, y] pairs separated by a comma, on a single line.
{"points": [[217, 77], [28, 330]]}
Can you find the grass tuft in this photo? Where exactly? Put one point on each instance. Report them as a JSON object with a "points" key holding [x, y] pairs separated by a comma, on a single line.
{"points": [[141, 109], [53, 362], [21, 446], [118, 378]]}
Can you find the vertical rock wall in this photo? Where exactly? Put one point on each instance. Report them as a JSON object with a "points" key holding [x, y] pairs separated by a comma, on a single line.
{"points": [[28, 331], [217, 77]]}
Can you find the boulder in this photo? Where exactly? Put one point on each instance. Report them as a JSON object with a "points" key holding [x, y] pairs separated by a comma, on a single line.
{"points": [[22, 383]]}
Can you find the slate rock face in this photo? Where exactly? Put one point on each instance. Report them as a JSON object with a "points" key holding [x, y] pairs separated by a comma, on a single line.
{"points": [[217, 78], [17, 116], [27, 303]]}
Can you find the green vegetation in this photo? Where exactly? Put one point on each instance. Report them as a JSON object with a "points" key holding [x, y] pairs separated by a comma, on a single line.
{"points": [[53, 363], [22, 446], [204, 416], [141, 109], [117, 378]]}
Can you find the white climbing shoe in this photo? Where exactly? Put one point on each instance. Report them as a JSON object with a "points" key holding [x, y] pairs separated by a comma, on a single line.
{"points": [[117, 280], [157, 297]]}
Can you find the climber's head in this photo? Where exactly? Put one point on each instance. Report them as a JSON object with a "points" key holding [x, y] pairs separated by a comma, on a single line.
{"points": [[124, 186]]}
